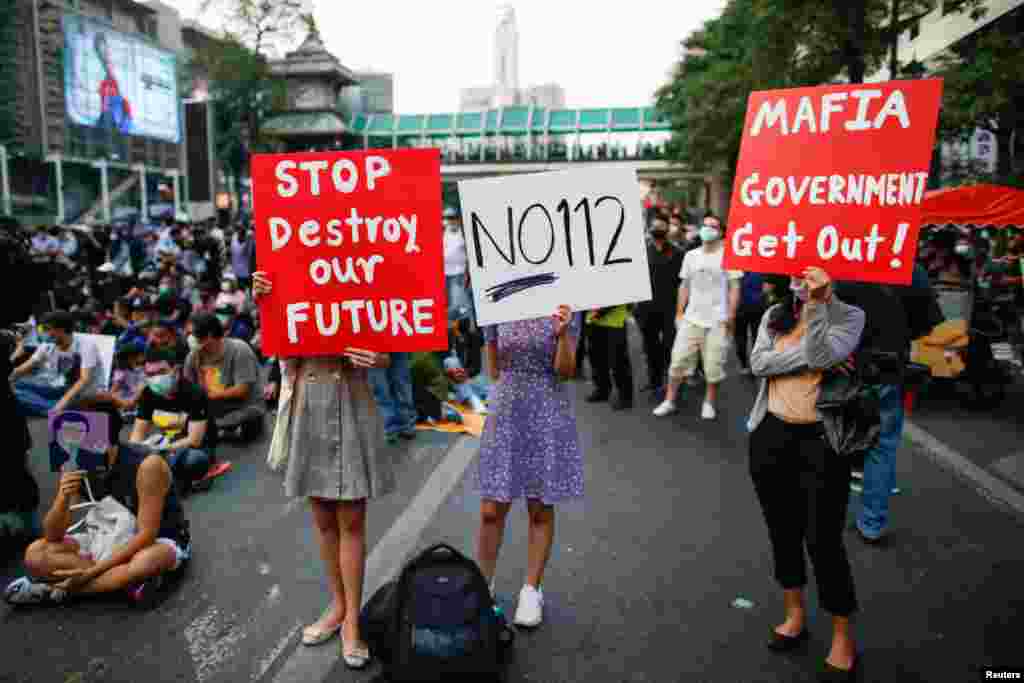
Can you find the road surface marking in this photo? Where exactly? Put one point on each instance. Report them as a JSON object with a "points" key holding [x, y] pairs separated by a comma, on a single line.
{"points": [[212, 640], [990, 487], [311, 665]]}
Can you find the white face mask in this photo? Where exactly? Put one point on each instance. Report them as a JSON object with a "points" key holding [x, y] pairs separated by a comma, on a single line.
{"points": [[193, 343], [226, 287]]}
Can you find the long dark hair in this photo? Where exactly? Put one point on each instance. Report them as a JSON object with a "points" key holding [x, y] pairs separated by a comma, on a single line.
{"points": [[785, 316]]}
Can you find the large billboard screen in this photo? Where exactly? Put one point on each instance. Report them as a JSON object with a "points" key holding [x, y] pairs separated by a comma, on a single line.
{"points": [[118, 82]]}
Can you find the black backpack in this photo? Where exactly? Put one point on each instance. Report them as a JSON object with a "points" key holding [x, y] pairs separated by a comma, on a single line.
{"points": [[437, 622]]}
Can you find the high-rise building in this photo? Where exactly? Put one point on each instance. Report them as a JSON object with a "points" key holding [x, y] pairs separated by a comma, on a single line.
{"points": [[504, 90]]}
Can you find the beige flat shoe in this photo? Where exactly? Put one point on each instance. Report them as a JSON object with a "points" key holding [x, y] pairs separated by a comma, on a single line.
{"points": [[311, 635], [355, 657]]}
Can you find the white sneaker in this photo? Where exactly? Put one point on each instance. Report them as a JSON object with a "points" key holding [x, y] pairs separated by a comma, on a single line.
{"points": [[667, 407], [707, 411], [530, 611], [24, 591]]}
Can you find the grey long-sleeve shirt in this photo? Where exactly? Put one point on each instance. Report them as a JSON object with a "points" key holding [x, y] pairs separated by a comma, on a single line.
{"points": [[833, 333]]}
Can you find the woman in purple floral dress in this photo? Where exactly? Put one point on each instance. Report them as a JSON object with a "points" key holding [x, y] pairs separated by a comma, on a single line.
{"points": [[530, 447]]}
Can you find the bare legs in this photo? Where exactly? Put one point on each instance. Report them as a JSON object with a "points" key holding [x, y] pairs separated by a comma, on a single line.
{"points": [[492, 532], [341, 527], [325, 519], [843, 650], [43, 558]]}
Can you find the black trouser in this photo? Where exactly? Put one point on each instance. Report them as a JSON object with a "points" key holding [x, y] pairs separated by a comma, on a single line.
{"points": [[609, 354], [803, 488], [659, 333], [747, 322], [581, 348]]}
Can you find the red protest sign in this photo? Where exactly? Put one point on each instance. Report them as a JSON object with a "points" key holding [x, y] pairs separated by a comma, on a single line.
{"points": [[834, 177], [352, 243]]}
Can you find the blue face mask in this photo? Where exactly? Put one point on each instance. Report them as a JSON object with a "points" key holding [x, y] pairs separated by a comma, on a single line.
{"points": [[47, 338], [162, 385]]}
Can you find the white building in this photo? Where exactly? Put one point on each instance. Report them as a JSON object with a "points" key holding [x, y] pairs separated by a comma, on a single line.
{"points": [[504, 91], [930, 37]]}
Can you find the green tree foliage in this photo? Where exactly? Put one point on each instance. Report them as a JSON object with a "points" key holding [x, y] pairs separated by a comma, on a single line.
{"points": [[238, 69], [984, 88], [768, 44]]}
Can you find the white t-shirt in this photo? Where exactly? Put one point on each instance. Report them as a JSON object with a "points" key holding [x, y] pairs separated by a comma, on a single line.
{"points": [[708, 304], [455, 257], [55, 367]]}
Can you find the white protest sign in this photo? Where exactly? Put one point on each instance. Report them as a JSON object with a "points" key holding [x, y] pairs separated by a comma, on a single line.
{"points": [[105, 347], [541, 240]]}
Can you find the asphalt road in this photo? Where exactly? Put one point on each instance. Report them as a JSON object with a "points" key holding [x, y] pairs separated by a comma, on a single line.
{"points": [[640, 585]]}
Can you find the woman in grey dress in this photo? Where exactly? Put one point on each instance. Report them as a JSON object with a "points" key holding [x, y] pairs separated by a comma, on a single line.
{"points": [[335, 460]]}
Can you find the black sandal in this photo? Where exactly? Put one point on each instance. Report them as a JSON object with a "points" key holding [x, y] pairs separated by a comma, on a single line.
{"points": [[782, 643], [833, 674]]}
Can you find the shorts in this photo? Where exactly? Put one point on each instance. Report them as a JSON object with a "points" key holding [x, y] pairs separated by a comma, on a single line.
{"points": [[711, 345], [84, 541]]}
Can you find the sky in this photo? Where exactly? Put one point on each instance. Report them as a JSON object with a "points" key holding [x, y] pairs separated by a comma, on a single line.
{"points": [[602, 54]]}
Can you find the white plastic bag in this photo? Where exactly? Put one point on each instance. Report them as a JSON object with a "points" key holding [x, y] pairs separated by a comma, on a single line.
{"points": [[107, 526]]}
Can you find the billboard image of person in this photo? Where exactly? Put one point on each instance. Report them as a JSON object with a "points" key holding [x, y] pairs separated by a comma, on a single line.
{"points": [[115, 110], [120, 83]]}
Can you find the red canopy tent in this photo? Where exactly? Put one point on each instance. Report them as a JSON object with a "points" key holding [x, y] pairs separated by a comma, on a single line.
{"points": [[978, 205]]}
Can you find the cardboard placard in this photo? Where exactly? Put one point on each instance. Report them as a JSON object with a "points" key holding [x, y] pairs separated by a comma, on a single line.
{"points": [[351, 242], [542, 240], [834, 177]]}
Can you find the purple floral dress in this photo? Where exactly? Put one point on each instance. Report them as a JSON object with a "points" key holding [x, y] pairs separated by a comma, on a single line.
{"points": [[530, 447]]}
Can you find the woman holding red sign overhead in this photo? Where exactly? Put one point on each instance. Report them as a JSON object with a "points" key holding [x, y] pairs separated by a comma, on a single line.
{"points": [[530, 447], [333, 459], [802, 484]]}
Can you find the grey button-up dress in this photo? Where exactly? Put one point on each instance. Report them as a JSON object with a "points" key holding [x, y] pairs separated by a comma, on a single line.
{"points": [[336, 435]]}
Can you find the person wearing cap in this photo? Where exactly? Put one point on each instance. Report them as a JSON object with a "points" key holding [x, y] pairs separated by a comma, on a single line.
{"points": [[657, 316], [230, 293], [229, 372], [178, 411]]}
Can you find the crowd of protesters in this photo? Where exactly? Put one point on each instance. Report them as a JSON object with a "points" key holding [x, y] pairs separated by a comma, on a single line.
{"points": [[189, 373]]}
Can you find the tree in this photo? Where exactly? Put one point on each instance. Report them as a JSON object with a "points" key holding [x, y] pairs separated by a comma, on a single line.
{"points": [[767, 44], [984, 87], [238, 69]]}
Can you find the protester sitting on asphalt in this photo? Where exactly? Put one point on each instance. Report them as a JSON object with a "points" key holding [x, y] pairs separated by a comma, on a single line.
{"points": [[63, 564], [163, 334], [230, 294], [62, 372], [173, 417], [802, 485], [229, 373], [328, 432], [128, 378]]}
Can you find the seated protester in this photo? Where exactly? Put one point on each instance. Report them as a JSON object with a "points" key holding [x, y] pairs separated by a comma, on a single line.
{"points": [[207, 302], [236, 325], [431, 384], [465, 390], [19, 494], [61, 374], [60, 564], [163, 334], [142, 313], [128, 377], [169, 305], [230, 294], [173, 418], [119, 320], [229, 372]]}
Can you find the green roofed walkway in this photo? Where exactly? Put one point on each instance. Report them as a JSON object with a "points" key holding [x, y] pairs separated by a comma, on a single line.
{"points": [[512, 140]]}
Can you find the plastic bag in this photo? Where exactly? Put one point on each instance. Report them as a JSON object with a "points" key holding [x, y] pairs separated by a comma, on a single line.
{"points": [[107, 526]]}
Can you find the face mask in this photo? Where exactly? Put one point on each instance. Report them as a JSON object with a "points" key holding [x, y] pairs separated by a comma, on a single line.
{"points": [[193, 343], [800, 291], [166, 289], [709, 234], [47, 338], [162, 385], [962, 250], [226, 287], [224, 319]]}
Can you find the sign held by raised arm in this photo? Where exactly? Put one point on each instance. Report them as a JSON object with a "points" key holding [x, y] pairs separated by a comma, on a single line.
{"points": [[834, 177], [541, 240]]}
